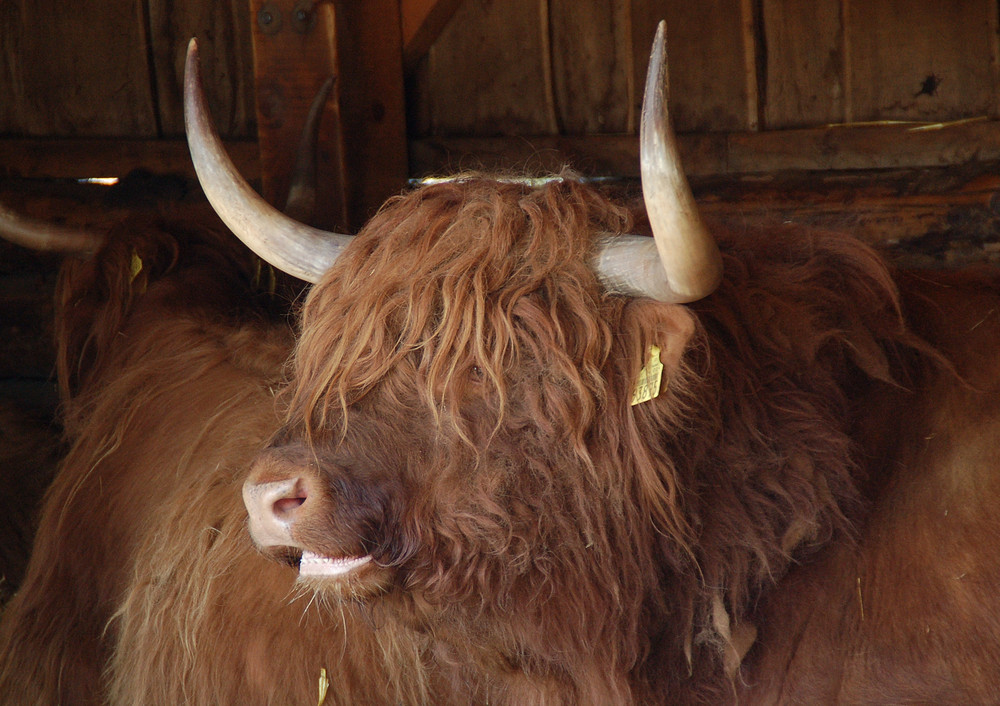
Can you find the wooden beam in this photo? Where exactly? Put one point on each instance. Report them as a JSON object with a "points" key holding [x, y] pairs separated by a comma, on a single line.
{"points": [[704, 154], [373, 110], [422, 22], [932, 212], [64, 158]]}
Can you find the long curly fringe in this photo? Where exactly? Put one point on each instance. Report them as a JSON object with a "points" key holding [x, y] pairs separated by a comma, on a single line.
{"points": [[452, 262]]}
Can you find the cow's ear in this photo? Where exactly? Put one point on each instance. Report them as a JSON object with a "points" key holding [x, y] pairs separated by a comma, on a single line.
{"points": [[675, 327], [668, 327], [654, 337]]}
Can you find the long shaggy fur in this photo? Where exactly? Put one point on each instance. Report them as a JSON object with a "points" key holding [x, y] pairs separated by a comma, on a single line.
{"points": [[29, 451], [460, 378]]}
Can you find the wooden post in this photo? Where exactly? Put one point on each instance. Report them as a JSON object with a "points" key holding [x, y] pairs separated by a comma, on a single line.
{"points": [[361, 152], [370, 51]]}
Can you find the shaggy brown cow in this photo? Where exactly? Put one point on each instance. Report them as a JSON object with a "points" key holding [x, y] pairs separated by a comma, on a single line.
{"points": [[457, 501]]}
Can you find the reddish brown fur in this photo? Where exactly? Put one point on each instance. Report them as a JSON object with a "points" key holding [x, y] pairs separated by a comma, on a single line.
{"points": [[463, 381], [29, 451]]}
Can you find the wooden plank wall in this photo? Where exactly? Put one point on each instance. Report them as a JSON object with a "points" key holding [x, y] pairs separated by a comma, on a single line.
{"points": [[832, 61], [573, 68], [569, 69], [113, 68]]}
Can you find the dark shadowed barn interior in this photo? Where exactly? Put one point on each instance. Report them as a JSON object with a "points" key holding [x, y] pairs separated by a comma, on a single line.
{"points": [[877, 117]]}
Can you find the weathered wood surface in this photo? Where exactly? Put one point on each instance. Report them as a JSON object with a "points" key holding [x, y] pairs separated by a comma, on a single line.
{"points": [[921, 218], [109, 68], [532, 67], [360, 156], [735, 65], [223, 31], [592, 59], [921, 60], [293, 58], [75, 69], [759, 81], [546, 67], [711, 48], [806, 81], [422, 22], [834, 61], [490, 72], [373, 107]]}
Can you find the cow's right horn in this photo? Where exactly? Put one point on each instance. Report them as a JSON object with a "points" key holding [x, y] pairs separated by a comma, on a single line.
{"points": [[292, 247], [681, 263], [688, 252]]}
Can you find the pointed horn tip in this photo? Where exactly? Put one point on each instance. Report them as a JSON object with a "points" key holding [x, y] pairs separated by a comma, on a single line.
{"points": [[657, 79], [688, 253], [195, 111], [191, 62], [659, 48]]}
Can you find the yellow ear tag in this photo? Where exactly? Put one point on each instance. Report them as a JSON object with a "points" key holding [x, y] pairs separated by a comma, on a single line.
{"points": [[324, 685], [135, 267], [648, 385]]}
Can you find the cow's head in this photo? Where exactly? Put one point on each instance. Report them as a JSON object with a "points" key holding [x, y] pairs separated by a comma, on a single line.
{"points": [[454, 385], [459, 425]]}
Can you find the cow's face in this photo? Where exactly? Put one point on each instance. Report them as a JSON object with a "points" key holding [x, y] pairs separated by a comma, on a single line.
{"points": [[453, 386]]}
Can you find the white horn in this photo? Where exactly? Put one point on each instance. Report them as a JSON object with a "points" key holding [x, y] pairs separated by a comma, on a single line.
{"points": [[682, 262], [292, 247]]}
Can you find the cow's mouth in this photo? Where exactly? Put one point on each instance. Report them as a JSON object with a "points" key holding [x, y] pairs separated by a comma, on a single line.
{"points": [[314, 565]]}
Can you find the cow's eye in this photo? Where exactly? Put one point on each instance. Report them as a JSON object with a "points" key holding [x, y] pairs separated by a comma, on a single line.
{"points": [[476, 374]]}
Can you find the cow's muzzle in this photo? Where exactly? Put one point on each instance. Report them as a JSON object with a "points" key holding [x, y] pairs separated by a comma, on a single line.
{"points": [[294, 517]]}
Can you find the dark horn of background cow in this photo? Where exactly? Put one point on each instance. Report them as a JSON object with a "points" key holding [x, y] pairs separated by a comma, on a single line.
{"points": [[301, 202]]}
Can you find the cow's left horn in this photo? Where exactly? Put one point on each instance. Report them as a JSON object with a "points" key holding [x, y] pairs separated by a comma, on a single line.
{"points": [[292, 247], [682, 262]]}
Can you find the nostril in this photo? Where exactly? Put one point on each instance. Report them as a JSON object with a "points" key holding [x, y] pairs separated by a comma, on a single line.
{"points": [[283, 508], [273, 509]]}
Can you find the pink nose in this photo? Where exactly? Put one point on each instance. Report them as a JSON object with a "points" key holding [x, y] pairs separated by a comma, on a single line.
{"points": [[273, 508]]}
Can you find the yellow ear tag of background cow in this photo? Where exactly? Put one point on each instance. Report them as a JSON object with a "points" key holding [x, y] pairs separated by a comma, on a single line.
{"points": [[324, 685], [648, 385], [135, 267]]}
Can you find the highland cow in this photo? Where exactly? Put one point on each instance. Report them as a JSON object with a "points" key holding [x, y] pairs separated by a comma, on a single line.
{"points": [[516, 457]]}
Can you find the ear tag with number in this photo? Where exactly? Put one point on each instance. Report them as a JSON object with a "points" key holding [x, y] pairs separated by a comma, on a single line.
{"points": [[647, 386]]}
